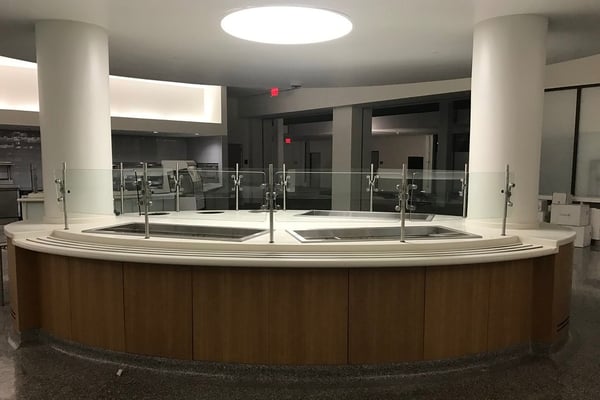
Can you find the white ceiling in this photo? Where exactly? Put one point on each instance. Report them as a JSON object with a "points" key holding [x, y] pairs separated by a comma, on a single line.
{"points": [[393, 41]]}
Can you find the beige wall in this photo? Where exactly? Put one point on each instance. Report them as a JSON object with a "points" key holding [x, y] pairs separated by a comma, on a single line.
{"points": [[582, 71], [574, 72], [394, 150]]}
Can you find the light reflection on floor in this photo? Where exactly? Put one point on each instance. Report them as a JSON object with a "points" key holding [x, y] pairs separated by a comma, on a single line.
{"points": [[7, 378]]}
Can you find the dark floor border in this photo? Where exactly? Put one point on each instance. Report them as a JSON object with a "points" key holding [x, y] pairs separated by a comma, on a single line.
{"points": [[284, 374]]}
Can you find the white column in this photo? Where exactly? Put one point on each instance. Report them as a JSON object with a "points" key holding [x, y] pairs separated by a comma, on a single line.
{"points": [[72, 60], [346, 158], [509, 55]]}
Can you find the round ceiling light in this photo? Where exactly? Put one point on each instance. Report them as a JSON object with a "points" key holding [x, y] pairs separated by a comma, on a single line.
{"points": [[286, 25]]}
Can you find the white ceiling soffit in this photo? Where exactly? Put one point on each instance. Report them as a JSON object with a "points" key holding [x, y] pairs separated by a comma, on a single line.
{"points": [[392, 41], [129, 97]]}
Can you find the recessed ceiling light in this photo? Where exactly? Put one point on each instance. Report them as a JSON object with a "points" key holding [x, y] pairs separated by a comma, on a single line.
{"points": [[286, 25]]}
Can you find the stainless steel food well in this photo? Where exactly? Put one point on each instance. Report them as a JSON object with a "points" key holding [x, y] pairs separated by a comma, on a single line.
{"points": [[379, 233], [366, 214], [182, 231]]}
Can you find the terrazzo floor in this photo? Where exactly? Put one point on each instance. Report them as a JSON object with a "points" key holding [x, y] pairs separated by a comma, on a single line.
{"points": [[43, 371]]}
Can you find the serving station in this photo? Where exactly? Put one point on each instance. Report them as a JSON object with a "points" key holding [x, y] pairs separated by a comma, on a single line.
{"points": [[329, 289]]}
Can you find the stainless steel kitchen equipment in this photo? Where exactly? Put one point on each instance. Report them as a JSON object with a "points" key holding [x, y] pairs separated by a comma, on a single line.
{"points": [[9, 193]]}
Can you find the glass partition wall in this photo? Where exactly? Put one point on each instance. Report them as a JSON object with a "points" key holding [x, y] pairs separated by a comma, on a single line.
{"points": [[429, 191], [195, 195], [188, 188], [206, 191]]}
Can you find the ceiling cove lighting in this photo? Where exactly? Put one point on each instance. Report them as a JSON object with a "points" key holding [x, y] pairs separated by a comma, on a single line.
{"points": [[286, 25]]}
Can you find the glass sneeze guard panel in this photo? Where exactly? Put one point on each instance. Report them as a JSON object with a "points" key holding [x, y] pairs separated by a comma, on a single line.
{"points": [[318, 190], [486, 196], [430, 191], [207, 192], [86, 191]]}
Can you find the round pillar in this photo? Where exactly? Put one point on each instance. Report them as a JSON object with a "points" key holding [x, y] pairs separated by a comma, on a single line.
{"points": [[72, 61], [507, 97]]}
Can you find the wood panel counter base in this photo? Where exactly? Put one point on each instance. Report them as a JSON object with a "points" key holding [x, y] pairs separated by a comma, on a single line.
{"points": [[294, 316]]}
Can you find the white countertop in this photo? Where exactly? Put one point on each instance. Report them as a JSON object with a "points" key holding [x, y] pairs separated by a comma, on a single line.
{"points": [[286, 251], [37, 197]]}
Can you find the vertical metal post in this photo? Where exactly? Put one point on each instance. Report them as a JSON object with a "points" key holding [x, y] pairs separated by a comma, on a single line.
{"points": [[237, 179], [284, 188], [371, 189], [33, 178], [371, 179], [64, 193], [506, 179], [237, 187], [177, 186], [122, 188], [270, 197], [403, 193], [146, 197], [465, 189], [507, 191]]}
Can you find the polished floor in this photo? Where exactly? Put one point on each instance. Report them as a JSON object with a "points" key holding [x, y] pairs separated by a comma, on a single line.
{"points": [[44, 371]]}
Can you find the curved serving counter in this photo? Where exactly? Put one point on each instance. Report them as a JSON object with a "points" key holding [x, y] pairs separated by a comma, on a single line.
{"points": [[329, 302]]}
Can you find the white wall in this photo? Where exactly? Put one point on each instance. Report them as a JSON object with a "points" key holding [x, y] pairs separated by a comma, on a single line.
{"points": [[205, 150], [581, 71], [574, 72], [324, 98], [136, 104], [414, 123], [310, 129], [394, 150]]}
